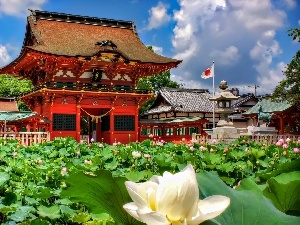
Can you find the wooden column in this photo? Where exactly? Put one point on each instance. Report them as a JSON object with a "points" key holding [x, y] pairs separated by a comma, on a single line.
{"points": [[78, 123], [281, 124], [112, 127], [136, 125]]}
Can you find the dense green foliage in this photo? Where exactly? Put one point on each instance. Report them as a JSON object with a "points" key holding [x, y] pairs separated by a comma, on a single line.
{"points": [[65, 182], [288, 88], [153, 83], [11, 86]]}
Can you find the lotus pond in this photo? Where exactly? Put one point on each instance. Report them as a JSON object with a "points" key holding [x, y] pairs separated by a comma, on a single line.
{"points": [[66, 182]]}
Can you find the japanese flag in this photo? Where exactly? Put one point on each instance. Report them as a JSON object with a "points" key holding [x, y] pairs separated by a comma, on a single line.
{"points": [[209, 72]]}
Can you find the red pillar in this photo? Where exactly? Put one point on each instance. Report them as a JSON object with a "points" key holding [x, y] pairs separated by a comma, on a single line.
{"points": [[112, 127], [281, 131], [136, 125], [78, 123]]}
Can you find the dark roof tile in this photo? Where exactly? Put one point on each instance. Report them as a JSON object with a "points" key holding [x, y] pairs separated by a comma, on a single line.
{"points": [[184, 100]]}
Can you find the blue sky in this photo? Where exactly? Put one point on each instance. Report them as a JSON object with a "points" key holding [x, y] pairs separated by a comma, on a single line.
{"points": [[247, 39]]}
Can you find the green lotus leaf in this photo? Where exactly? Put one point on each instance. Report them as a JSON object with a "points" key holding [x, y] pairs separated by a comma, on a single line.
{"points": [[81, 218], [52, 212], [101, 193], [284, 191], [135, 175], [246, 207], [3, 178]]}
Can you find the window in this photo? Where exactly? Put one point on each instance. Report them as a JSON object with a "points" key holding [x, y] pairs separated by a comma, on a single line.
{"points": [[124, 123], [157, 131], [64, 121], [193, 130], [181, 131], [169, 131], [146, 131]]}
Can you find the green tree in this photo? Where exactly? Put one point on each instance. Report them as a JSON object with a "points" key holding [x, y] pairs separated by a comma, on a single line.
{"points": [[154, 83], [288, 89], [11, 86]]}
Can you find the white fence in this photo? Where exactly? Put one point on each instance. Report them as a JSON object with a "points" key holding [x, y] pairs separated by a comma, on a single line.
{"points": [[262, 138], [26, 138]]}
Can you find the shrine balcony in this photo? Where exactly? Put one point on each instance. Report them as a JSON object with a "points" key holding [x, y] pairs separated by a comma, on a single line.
{"points": [[26, 138]]}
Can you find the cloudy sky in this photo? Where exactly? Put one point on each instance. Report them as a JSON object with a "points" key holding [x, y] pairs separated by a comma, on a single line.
{"points": [[247, 39]]}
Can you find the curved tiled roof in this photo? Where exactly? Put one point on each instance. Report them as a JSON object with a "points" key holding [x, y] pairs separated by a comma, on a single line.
{"points": [[243, 99], [70, 35], [8, 104], [183, 100], [16, 116], [268, 106]]}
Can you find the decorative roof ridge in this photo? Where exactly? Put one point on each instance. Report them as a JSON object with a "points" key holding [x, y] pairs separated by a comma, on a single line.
{"points": [[70, 18], [185, 90], [244, 99]]}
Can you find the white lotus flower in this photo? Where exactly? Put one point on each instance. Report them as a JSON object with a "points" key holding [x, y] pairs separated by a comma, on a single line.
{"points": [[172, 199]]}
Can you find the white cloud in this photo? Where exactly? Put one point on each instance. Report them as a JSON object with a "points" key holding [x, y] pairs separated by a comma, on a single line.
{"points": [[157, 50], [227, 57], [4, 56], [158, 16], [19, 8], [238, 35], [290, 4], [270, 79]]}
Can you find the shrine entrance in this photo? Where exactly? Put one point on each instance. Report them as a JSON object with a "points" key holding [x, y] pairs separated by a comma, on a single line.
{"points": [[86, 86], [93, 123]]}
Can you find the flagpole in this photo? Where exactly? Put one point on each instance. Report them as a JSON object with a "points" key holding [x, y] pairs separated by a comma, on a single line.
{"points": [[214, 95]]}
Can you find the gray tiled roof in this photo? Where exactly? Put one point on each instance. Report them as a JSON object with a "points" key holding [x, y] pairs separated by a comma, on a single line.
{"points": [[183, 100], [242, 100], [176, 120]]}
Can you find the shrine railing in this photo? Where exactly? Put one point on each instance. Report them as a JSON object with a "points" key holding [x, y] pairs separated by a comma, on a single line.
{"points": [[26, 138], [262, 138]]}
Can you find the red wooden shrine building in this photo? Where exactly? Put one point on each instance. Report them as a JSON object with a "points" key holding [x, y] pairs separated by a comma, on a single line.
{"points": [[85, 71]]}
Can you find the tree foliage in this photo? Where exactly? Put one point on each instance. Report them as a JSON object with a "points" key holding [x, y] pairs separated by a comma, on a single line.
{"points": [[154, 83], [11, 86], [288, 89]]}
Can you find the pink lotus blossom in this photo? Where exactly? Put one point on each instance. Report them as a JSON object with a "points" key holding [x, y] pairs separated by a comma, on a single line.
{"points": [[115, 143], [78, 153], [136, 154], [214, 141], [100, 145], [192, 148], [288, 140], [247, 150], [285, 146], [15, 154], [92, 140], [147, 156], [116, 151], [183, 139], [281, 140], [40, 162], [193, 140], [151, 135], [211, 150], [278, 143], [284, 153], [225, 150], [296, 150], [64, 171], [89, 162], [202, 148]]}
